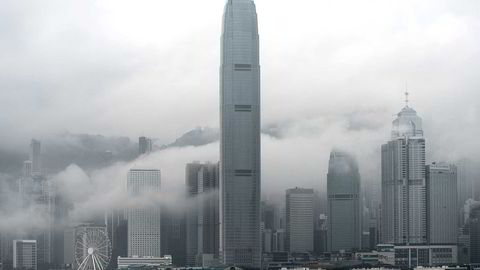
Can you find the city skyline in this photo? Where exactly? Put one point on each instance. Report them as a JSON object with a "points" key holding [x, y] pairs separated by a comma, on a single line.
{"points": [[407, 190], [289, 122]]}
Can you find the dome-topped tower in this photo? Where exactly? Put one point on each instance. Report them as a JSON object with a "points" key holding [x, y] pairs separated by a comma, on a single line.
{"points": [[407, 123]]}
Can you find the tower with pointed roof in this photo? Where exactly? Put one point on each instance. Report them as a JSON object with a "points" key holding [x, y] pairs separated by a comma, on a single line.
{"points": [[404, 216]]}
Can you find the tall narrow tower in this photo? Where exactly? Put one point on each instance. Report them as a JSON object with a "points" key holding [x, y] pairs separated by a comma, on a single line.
{"points": [[404, 214], [343, 189], [240, 243], [35, 157], [144, 222]]}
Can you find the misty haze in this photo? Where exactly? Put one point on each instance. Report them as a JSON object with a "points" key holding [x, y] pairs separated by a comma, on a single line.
{"points": [[239, 134]]}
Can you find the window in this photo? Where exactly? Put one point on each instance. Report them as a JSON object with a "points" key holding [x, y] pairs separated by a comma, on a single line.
{"points": [[243, 172], [243, 108], [242, 67]]}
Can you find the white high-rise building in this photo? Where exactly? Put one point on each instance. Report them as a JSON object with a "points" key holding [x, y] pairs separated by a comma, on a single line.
{"points": [[404, 215], [25, 254], [300, 219], [143, 221], [442, 210], [240, 243], [343, 188]]}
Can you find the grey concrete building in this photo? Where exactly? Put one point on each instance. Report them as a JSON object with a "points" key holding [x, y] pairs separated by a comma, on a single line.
{"points": [[35, 157], [144, 145], [300, 219], [343, 188], [240, 243], [442, 210], [202, 218]]}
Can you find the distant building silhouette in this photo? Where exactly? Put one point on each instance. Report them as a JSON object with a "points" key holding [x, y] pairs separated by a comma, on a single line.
{"points": [[203, 223], [474, 226], [442, 210], [144, 145], [300, 220], [343, 188], [36, 157]]}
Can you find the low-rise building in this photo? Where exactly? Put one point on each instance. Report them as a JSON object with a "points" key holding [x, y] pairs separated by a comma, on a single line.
{"points": [[425, 255], [147, 262]]}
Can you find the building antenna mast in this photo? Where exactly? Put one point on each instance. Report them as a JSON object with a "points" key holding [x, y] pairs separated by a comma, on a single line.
{"points": [[406, 94]]}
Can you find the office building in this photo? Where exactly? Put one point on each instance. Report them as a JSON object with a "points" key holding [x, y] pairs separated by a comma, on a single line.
{"points": [[35, 157], [38, 192], [404, 215], [25, 254], [300, 220], [474, 227], [144, 145], [442, 210], [240, 243], [144, 262], [144, 222], [27, 168], [465, 186], [343, 188], [425, 255], [203, 223]]}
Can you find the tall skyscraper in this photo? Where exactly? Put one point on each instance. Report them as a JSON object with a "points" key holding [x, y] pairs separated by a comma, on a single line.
{"points": [[27, 168], [240, 243], [203, 222], [25, 254], [465, 185], [144, 145], [36, 191], [300, 220], [144, 229], [343, 188], [474, 226], [442, 210], [404, 215], [35, 157], [116, 224], [174, 235]]}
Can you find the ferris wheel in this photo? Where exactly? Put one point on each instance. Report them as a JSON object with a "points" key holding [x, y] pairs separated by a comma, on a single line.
{"points": [[92, 248]]}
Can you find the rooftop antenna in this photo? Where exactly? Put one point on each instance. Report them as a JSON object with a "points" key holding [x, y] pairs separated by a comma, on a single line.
{"points": [[406, 94]]}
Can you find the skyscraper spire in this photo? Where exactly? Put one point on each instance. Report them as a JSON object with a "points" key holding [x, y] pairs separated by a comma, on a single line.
{"points": [[406, 94]]}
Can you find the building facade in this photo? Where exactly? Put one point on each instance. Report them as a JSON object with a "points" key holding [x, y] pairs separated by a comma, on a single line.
{"points": [[35, 157], [203, 223], [144, 222], [144, 145], [474, 228], [343, 188], [419, 255], [442, 210], [240, 243], [25, 254], [300, 220], [38, 192], [403, 215]]}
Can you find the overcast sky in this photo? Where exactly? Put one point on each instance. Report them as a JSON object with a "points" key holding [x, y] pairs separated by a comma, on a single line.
{"points": [[333, 73]]}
